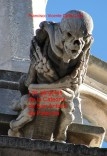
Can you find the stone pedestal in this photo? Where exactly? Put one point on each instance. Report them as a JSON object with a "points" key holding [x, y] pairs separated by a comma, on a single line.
{"points": [[45, 116]]}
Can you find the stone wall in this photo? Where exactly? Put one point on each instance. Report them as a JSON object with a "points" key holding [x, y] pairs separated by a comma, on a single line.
{"points": [[16, 29]]}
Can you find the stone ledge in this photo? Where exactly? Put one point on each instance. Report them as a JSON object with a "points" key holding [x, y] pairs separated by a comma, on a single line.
{"points": [[20, 145], [91, 136]]}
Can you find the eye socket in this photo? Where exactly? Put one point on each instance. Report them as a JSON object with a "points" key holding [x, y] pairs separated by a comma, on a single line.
{"points": [[68, 34]]}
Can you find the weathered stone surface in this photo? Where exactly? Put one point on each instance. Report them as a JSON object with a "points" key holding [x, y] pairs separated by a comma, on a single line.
{"points": [[94, 106], [41, 127], [22, 146], [16, 30], [91, 136], [8, 90], [6, 97], [99, 64]]}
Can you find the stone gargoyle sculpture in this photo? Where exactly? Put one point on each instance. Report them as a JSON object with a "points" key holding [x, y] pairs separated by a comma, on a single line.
{"points": [[59, 56]]}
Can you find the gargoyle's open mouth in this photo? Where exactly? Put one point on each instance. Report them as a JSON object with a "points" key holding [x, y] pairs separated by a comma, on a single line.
{"points": [[74, 51]]}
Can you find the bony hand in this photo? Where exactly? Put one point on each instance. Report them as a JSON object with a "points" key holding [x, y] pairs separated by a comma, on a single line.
{"points": [[46, 69], [88, 42]]}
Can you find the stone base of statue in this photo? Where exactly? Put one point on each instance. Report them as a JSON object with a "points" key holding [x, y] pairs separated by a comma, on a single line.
{"points": [[44, 114]]}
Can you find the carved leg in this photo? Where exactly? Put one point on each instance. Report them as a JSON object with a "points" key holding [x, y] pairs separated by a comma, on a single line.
{"points": [[27, 114], [66, 119], [22, 119]]}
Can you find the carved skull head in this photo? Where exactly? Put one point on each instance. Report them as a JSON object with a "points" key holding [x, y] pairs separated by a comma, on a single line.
{"points": [[76, 27]]}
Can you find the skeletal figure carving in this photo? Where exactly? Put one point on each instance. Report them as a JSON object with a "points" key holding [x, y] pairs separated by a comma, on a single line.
{"points": [[59, 56]]}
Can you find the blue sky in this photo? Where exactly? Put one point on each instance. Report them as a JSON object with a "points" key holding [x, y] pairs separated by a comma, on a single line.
{"points": [[97, 9]]}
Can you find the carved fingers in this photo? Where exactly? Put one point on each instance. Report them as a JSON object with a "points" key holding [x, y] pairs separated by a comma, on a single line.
{"points": [[37, 51], [44, 67], [41, 64]]}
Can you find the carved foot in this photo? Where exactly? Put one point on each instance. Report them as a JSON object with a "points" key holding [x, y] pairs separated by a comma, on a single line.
{"points": [[61, 136], [61, 131], [13, 125], [14, 133]]}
